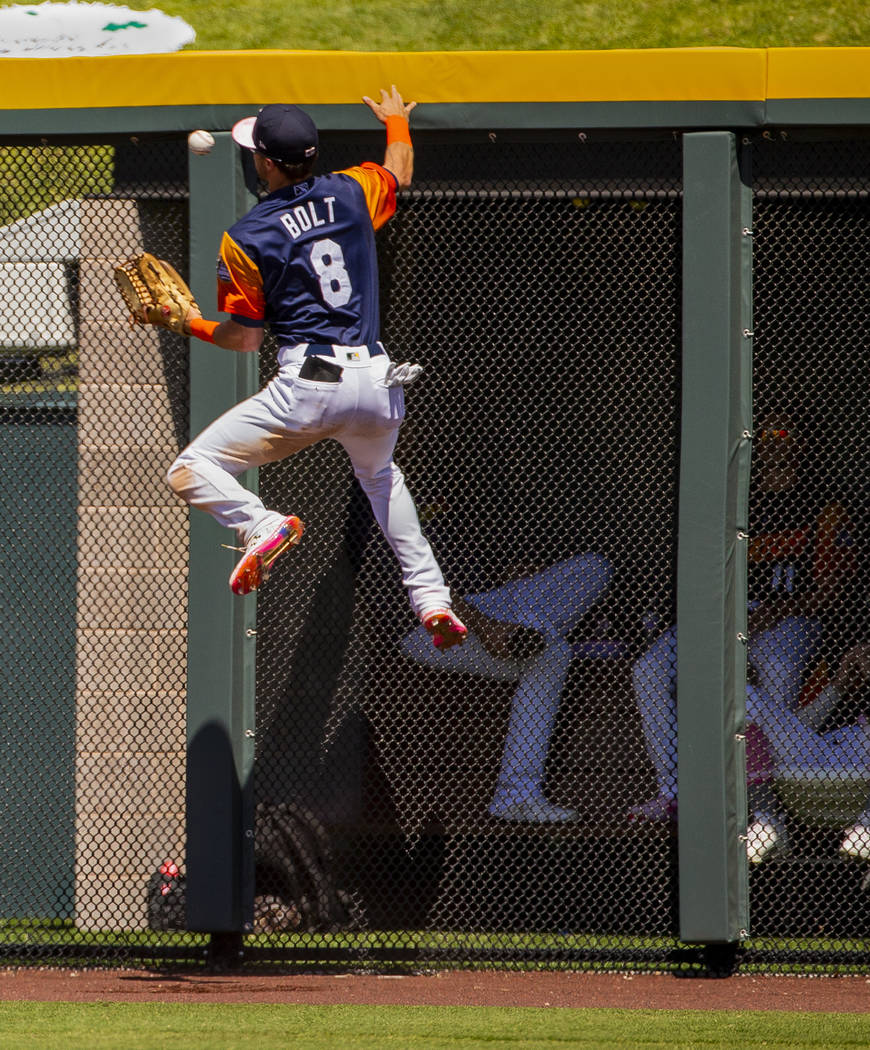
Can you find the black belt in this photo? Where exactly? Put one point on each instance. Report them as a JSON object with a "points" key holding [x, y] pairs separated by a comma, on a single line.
{"points": [[327, 350]]}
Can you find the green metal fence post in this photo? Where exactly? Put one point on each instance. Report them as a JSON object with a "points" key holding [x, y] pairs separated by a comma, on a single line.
{"points": [[711, 574], [222, 631]]}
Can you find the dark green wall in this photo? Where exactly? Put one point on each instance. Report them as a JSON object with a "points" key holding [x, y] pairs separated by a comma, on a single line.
{"points": [[37, 662]]}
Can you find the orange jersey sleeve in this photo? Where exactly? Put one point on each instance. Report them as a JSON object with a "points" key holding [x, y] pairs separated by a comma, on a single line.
{"points": [[379, 186], [240, 285]]}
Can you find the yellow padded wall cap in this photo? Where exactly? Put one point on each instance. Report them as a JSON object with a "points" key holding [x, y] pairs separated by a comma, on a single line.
{"points": [[818, 72], [236, 78], [191, 78]]}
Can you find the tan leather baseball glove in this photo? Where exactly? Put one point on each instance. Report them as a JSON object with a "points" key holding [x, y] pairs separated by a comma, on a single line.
{"points": [[154, 292]]}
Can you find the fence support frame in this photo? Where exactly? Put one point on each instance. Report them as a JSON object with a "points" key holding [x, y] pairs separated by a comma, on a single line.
{"points": [[222, 627], [711, 572]]}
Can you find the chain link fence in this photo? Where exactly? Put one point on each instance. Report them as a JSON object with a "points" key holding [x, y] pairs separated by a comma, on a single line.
{"points": [[808, 556], [95, 560], [476, 803], [513, 801]]}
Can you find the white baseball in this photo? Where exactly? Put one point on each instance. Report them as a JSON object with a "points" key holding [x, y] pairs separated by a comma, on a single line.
{"points": [[200, 142]]}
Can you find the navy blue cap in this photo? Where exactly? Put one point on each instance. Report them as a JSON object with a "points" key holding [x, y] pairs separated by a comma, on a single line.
{"points": [[280, 132]]}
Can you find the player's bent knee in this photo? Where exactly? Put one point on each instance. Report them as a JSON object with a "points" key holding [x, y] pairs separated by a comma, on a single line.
{"points": [[179, 477]]}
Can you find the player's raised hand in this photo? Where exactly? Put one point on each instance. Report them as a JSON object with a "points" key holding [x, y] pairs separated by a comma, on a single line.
{"points": [[393, 111], [391, 105]]}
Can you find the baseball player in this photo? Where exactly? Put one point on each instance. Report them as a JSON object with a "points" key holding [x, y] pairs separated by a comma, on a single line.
{"points": [[303, 260], [799, 749], [800, 555]]}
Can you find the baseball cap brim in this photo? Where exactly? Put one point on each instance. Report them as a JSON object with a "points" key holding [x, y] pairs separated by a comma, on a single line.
{"points": [[243, 133]]}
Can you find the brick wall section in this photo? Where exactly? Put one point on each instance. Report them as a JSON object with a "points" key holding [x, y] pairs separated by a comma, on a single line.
{"points": [[131, 588]]}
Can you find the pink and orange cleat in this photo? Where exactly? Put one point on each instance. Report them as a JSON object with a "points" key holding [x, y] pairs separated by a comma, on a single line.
{"points": [[260, 554], [445, 627]]}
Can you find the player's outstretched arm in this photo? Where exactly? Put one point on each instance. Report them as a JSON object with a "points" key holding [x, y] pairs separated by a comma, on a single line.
{"points": [[394, 112], [229, 335]]}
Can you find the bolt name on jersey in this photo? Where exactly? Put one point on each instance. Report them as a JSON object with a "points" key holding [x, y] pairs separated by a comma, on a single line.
{"points": [[306, 217]]}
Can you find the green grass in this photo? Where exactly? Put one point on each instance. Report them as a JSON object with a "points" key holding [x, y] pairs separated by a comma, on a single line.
{"points": [[155, 1026], [43, 939], [493, 25], [35, 177]]}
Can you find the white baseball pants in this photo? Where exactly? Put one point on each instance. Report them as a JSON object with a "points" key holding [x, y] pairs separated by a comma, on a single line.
{"points": [[779, 655], [797, 747], [289, 414]]}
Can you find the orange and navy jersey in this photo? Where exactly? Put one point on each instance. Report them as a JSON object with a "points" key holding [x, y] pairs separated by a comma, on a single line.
{"points": [[303, 260], [792, 550]]}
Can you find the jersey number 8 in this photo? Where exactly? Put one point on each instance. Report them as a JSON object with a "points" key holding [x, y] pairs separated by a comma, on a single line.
{"points": [[328, 262]]}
